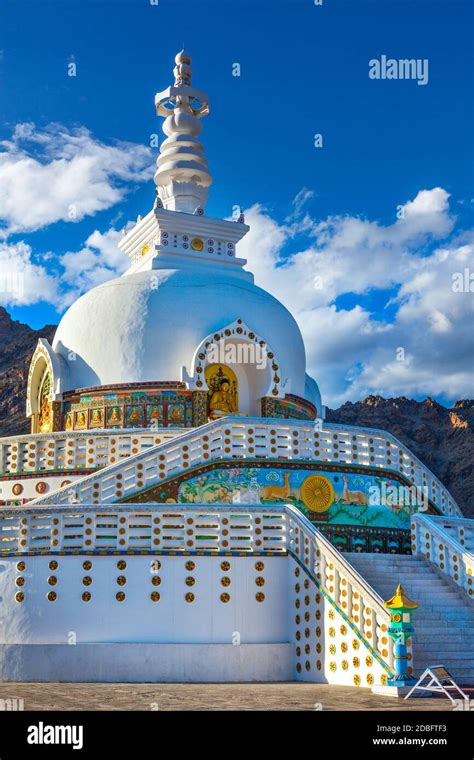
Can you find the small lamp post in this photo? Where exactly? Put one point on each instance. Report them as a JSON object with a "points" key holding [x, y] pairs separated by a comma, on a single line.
{"points": [[400, 630]]}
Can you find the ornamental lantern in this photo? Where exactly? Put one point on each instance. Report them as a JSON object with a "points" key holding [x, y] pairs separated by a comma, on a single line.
{"points": [[400, 630]]}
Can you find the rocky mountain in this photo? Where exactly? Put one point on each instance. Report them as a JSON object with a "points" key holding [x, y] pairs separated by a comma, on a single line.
{"points": [[442, 438], [17, 343]]}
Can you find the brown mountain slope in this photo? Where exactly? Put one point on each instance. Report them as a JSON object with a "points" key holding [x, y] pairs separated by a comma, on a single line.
{"points": [[442, 438], [17, 343]]}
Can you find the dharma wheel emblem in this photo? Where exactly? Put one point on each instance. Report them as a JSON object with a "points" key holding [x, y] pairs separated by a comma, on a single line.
{"points": [[317, 493]]}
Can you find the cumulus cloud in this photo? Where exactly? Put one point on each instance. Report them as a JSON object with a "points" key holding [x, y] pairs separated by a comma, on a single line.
{"points": [[99, 260], [53, 174], [22, 280], [424, 347]]}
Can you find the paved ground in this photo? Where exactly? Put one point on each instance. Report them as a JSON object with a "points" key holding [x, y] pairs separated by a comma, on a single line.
{"points": [[280, 696]]}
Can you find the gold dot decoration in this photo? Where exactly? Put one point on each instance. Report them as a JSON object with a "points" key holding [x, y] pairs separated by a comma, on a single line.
{"points": [[20, 581], [317, 493], [21, 566], [344, 665], [121, 565], [369, 661], [52, 596], [189, 597], [344, 647], [86, 597], [259, 566], [356, 662], [225, 598], [156, 580], [331, 614], [332, 632], [332, 667], [121, 580], [52, 580], [260, 581], [53, 565], [87, 565], [190, 581], [357, 680], [332, 649], [154, 596], [355, 643], [225, 581], [120, 596], [87, 580], [343, 630], [19, 597], [260, 597], [370, 679]]}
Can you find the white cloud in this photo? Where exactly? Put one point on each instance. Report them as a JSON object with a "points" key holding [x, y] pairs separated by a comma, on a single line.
{"points": [[23, 281], [353, 352], [60, 174], [99, 260]]}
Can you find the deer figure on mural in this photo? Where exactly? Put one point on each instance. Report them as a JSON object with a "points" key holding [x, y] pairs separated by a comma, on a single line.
{"points": [[353, 497], [277, 492]]}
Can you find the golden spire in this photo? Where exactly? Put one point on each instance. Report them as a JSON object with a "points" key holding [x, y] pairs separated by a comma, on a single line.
{"points": [[400, 600]]}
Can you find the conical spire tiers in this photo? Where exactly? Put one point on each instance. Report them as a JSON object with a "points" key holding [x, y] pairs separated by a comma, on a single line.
{"points": [[182, 177]]}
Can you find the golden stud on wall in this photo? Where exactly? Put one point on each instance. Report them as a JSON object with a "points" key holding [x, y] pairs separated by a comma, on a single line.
{"points": [[225, 581], [154, 596], [121, 580], [21, 566], [52, 580], [20, 581], [19, 597], [121, 564], [225, 598], [260, 581], [189, 597], [53, 565], [259, 566], [190, 581], [87, 580], [156, 580], [87, 565], [191, 565], [86, 597], [120, 596], [52, 596], [260, 597]]}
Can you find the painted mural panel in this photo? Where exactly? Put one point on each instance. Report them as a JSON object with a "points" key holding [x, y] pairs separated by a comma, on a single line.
{"points": [[335, 498]]}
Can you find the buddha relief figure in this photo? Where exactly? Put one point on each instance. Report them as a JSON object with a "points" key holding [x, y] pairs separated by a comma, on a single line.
{"points": [[44, 421], [97, 416], [114, 415], [69, 422]]}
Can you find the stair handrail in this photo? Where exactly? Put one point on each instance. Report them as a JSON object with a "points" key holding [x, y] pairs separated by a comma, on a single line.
{"points": [[444, 551], [373, 625]]}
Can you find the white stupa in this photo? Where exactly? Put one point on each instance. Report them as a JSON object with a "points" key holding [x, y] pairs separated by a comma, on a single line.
{"points": [[184, 286]]}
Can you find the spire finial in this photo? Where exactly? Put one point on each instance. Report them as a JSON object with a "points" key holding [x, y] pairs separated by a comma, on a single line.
{"points": [[182, 177]]}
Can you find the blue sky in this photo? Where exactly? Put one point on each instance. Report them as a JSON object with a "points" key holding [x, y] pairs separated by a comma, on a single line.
{"points": [[304, 70]]}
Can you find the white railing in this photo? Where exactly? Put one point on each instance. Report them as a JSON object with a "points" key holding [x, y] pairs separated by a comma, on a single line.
{"points": [[447, 543], [151, 529], [204, 528], [342, 583], [255, 438], [74, 450]]}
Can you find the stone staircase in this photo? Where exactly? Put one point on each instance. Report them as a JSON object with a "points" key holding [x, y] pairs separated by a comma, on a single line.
{"points": [[444, 621]]}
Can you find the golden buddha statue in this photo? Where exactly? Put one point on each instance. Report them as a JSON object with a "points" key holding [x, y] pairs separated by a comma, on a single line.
{"points": [[222, 402]]}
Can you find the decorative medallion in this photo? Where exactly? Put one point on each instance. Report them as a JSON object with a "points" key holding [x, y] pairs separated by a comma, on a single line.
{"points": [[197, 244], [317, 493]]}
